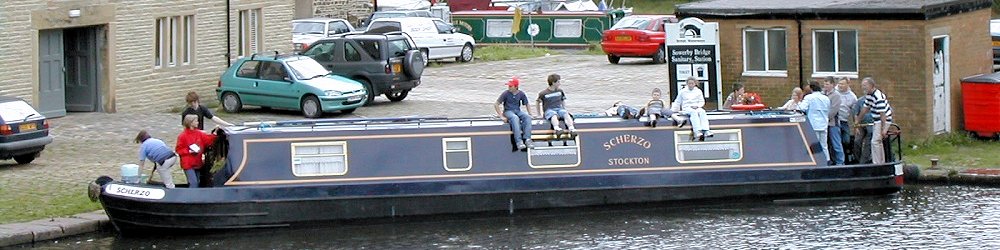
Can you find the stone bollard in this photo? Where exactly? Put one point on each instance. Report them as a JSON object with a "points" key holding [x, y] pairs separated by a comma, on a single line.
{"points": [[934, 163]]}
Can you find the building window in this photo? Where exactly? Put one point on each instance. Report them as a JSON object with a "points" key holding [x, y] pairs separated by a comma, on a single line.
{"points": [[725, 146], [764, 50], [835, 51], [250, 32], [173, 40], [499, 27], [457, 153], [550, 152], [567, 28], [319, 158]]}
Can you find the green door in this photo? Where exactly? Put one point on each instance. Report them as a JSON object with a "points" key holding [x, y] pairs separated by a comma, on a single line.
{"points": [[276, 86]]}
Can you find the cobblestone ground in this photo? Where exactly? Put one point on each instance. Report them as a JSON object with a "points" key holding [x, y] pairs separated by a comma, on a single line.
{"points": [[88, 145]]}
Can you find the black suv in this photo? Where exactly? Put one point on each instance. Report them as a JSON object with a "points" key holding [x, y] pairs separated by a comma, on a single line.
{"points": [[387, 64]]}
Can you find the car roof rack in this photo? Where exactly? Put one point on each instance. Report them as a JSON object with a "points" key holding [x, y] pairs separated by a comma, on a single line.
{"points": [[258, 53]]}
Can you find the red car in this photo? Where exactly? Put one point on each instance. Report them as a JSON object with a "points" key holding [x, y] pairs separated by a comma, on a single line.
{"points": [[637, 36]]}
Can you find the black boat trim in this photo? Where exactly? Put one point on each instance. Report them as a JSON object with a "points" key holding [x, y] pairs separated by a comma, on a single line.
{"points": [[192, 215], [176, 226]]}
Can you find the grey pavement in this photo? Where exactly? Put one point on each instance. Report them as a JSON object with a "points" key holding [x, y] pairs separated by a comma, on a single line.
{"points": [[88, 145]]}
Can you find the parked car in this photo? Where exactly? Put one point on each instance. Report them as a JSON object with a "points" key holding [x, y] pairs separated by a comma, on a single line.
{"points": [[306, 31], [288, 82], [995, 33], [23, 131], [388, 64], [435, 38], [637, 36], [395, 13]]}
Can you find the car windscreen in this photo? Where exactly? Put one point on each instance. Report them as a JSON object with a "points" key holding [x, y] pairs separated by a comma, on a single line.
{"points": [[399, 47], [17, 111], [632, 22], [307, 28], [306, 68], [385, 26]]}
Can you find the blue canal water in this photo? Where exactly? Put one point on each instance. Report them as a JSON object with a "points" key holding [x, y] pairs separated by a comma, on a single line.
{"points": [[921, 216]]}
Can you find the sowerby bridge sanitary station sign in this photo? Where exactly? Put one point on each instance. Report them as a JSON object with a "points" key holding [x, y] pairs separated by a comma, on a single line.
{"points": [[692, 50]]}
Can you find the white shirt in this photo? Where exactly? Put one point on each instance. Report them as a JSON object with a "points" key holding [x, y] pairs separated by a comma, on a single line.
{"points": [[817, 108], [688, 98]]}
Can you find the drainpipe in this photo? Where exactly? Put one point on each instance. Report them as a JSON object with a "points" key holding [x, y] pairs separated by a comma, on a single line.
{"points": [[798, 21], [229, 34]]}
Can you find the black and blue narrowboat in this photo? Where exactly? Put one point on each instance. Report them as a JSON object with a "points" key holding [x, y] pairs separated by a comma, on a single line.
{"points": [[279, 174]]}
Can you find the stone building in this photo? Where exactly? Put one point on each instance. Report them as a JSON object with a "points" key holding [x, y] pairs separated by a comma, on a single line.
{"points": [[134, 55], [352, 10], [917, 51]]}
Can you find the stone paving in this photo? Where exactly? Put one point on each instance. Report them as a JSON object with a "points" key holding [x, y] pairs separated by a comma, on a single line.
{"points": [[88, 145]]}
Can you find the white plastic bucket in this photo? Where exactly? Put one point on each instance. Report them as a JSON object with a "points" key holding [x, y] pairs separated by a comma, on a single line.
{"points": [[130, 173]]}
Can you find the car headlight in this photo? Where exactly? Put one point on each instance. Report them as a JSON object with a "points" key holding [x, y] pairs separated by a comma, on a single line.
{"points": [[297, 46], [332, 93]]}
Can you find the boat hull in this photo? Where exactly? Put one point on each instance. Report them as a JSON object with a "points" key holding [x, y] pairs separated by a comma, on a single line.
{"points": [[279, 206]]}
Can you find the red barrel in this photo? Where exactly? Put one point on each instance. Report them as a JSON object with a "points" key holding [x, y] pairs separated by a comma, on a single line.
{"points": [[981, 103]]}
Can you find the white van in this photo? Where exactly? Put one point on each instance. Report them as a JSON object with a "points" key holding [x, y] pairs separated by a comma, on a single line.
{"points": [[434, 37]]}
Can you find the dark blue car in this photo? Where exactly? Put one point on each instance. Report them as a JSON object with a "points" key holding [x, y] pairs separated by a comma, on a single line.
{"points": [[23, 131]]}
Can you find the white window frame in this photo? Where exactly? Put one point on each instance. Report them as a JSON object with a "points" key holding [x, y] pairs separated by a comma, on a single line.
{"points": [[445, 151], [509, 23], [160, 38], [681, 138], [250, 31], [767, 72], [188, 40], [344, 153], [577, 22], [836, 60], [542, 138], [173, 41]]}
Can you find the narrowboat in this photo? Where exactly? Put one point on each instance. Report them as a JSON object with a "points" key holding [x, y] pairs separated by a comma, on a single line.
{"points": [[554, 28], [276, 174]]}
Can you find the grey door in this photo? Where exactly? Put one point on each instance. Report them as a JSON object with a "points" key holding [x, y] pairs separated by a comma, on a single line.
{"points": [[81, 69], [51, 92]]}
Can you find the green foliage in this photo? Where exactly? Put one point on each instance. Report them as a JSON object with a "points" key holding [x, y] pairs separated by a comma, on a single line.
{"points": [[508, 52], [650, 7], [954, 150]]}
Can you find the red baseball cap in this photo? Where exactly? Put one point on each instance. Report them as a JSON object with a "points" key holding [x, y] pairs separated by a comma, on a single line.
{"points": [[514, 82]]}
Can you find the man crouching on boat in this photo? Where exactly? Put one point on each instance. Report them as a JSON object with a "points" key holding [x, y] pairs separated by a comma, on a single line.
{"points": [[520, 121], [191, 144]]}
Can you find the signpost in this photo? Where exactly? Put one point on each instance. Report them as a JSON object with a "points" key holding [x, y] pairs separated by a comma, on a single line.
{"points": [[693, 50]]}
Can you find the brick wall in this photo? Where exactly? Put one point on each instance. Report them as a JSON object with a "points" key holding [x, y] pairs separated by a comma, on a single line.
{"points": [[138, 85], [896, 53]]}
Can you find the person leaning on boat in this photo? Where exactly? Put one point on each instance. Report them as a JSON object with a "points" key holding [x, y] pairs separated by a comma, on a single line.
{"points": [[690, 101], [194, 107], [550, 104], [520, 121], [156, 151], [191, 144], [817, 108]]}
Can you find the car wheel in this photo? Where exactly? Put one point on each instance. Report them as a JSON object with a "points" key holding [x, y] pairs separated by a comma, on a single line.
{"points": [[25, 159], [368, 88], [661, 56], [614, 59], [231, 102], [311, 107], [348, 111], [397, 96], [467, 53], [413, 64]]}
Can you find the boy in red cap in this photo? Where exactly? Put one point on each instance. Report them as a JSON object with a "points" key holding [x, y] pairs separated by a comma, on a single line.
{"points": [[520, 121]]}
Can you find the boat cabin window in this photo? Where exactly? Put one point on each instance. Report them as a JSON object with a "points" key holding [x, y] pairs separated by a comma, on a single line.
{"points": [[499, 27], [319, 158], [570, 28], [725, 146], [457, 153], [552, 152]]}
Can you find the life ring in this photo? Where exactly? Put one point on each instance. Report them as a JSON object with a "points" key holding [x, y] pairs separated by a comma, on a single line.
{"points": [[757, 106]]}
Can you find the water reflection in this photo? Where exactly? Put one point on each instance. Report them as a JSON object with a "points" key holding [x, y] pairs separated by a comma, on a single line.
{"points": [[918, 217]]}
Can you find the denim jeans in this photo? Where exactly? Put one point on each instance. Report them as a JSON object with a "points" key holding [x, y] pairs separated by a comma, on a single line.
{"points": [[836, 142], [192, 177], [520, 124]]}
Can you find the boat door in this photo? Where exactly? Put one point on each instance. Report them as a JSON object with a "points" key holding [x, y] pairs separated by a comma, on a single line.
{"points": [[942, 85]]}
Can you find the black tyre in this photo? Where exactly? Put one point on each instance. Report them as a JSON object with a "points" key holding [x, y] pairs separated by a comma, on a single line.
{"points": [[311, 107], [661, 56], [614, 59], [413, 64], [26, 158], [397, 96], [368, 88], [231, 102], [348, 111], [467, 53]]}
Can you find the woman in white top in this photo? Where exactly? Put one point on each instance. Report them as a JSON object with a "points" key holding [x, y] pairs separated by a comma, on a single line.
{"points": [[690, 101], [794, 100]]}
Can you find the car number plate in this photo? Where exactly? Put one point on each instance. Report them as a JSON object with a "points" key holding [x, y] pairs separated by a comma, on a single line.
{"points": [[623, 38], [996, 43], [27, 127], [354, 98], [397, 68]]}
